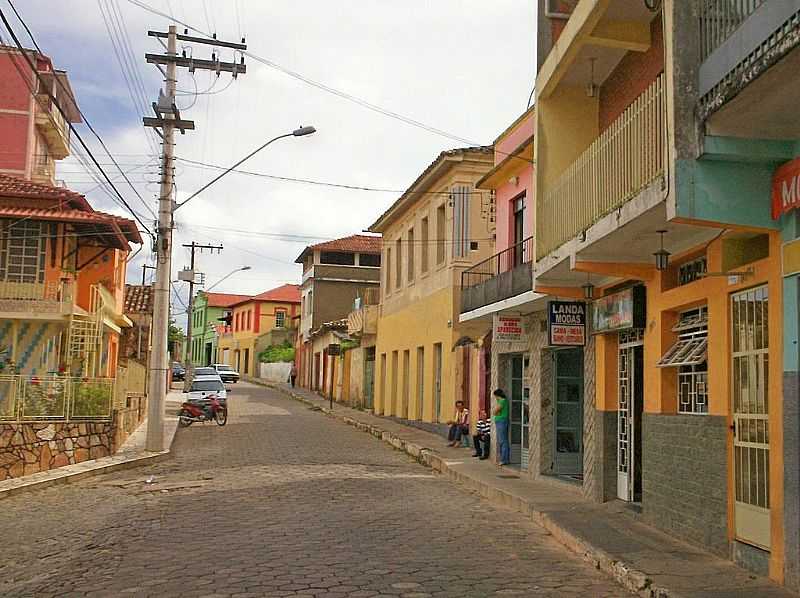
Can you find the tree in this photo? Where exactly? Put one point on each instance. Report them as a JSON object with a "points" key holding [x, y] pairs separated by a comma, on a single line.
{"points": [[175, 336]]}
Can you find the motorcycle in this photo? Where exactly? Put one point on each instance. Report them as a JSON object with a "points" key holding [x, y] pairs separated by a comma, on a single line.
{"points": [[210, 408]]}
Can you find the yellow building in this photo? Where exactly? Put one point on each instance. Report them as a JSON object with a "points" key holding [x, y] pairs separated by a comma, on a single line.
{"points": [[439, 227], [257, 322]]}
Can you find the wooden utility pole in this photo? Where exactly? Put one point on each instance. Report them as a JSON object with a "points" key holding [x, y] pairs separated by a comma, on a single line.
{"points": [[167, 119]]}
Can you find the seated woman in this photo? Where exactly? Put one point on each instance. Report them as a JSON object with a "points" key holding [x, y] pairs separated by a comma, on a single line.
{"points": [[459, 425]]}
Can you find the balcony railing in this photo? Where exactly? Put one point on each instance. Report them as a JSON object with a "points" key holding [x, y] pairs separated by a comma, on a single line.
{"points": [[502, 276], [54, 126], [367, 296], [55, 398], [625, 158], [36, 297], [739, 40], [720, 18]]}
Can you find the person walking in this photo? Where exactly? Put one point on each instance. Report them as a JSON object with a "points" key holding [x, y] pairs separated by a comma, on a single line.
{"points": [[293, 374], [500, 413]]}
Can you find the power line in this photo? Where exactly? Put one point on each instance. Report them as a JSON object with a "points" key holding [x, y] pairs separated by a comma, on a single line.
{"points": [[314, 182], [339, 93], [60, 109], [318, 85]]}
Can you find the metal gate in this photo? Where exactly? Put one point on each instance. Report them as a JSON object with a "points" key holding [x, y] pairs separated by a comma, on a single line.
{"points": [[749, 388], [626, 440], [369, 382]]}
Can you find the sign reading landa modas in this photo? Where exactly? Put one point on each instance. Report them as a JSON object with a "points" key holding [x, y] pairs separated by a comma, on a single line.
{"points": [[566, 323]]}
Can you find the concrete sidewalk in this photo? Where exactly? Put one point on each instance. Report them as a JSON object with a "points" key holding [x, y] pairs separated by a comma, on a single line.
{"points": [[608, 535], [131, 454]]}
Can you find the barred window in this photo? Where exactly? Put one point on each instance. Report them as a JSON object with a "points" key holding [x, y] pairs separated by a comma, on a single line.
{"points": [[689, 355], [693, 270]]}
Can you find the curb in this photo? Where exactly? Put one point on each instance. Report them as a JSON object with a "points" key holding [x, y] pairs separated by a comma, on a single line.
{"points": [[630, 578], [85, 469]]}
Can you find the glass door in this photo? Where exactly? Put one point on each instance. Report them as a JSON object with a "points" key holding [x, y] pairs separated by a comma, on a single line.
{"points": [[568, 416], [749, 387], [518, 415]]}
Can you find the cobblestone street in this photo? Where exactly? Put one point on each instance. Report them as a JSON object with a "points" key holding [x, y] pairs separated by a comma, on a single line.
{"points": [[282, 501]]}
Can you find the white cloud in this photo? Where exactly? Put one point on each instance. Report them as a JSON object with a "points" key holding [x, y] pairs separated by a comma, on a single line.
{"points": [[464, 66]]}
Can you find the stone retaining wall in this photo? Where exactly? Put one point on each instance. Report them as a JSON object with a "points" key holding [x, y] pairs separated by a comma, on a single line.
{"points": [[27, 448]]}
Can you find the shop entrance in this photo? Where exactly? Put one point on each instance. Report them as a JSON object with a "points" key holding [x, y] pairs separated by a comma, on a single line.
{"points": [[568, 413], [629, 415], [749, 387], [519, 430]]}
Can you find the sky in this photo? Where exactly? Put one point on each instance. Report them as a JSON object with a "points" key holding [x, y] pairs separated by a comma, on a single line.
{"points": [[464, 67]]}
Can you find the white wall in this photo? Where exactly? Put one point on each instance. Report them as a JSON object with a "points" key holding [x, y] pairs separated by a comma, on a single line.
{"points": [[274, 372]]}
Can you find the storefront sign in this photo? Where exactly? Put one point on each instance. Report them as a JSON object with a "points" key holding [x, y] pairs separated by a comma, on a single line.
{"points": [[786, 188], [507, 328], [619, 311], [566, 323]]}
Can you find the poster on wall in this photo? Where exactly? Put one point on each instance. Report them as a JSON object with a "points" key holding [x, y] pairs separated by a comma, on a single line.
{"points": [[507, 329], [619, 311], [566, 323]]}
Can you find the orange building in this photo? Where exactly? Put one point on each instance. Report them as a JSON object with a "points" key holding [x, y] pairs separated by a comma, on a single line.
{"points": [[256, 323], [62, 285]]}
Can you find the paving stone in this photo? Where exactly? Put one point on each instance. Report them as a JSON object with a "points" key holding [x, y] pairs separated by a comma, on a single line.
{"points": [[282, 501]]}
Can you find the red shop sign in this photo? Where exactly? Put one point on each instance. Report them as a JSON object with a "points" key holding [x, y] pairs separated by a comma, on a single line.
{"points": [[786, 188]]}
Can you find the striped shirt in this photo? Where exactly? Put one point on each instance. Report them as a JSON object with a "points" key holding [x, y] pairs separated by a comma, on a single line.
{"points": [[484, 426]]}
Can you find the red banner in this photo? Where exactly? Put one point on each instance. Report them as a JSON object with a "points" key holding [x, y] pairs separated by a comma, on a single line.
{"points": [[786, 188]]}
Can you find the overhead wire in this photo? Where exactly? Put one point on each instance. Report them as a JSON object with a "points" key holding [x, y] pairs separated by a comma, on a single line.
{"points": [[314, 182], [61, 110], [341, 94]]}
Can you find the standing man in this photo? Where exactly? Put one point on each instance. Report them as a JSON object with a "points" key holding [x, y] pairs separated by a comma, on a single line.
{"points": [[500, 413], [293, 373]]}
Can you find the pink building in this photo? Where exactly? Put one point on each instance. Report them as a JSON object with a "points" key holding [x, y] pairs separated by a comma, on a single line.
{"points": [[506, 278], [34, 133]]}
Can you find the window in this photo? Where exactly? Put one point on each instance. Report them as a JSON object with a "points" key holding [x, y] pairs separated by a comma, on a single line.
{"points": [[338, 258], [691, 271], [235, 322], [460, 197], [370, 259], [424, 245], [388, 268], [280, 319], [249, 319], [518, 227], [688, 354], [398, 263], [440, 224], [22, 252], [410, 250]]}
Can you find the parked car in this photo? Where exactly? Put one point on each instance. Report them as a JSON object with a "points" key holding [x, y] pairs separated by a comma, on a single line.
{"points": [[178, 372], [204, 387], [226, 372], [206, 371]]}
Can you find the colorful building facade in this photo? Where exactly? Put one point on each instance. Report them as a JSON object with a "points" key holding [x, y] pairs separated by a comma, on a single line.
{"points": [[209, 310], [335, 274], [665, 204], [36, 108], [437, 229], [255, 322]]}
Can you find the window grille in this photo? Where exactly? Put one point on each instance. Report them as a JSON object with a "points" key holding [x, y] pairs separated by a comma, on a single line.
{"points": [[22, 252], [691, 271], [280, 319], [689, 355]]}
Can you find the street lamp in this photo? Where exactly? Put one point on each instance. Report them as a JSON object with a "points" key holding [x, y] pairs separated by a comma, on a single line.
{"points": [[228, 275], [299, 132]]}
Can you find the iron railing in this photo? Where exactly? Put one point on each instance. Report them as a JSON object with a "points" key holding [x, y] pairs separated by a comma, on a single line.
{"points": [[505, 261], [55, 398], [36, 297], [624, 159], [720, 18]]}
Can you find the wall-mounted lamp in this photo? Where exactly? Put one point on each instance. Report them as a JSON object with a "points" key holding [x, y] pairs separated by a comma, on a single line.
{"points": [[588, 288], [662, 255], [591, 88]]}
